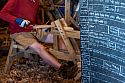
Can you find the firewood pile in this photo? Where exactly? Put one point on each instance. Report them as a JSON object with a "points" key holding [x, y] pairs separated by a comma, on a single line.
{"points": [[30, 71]]}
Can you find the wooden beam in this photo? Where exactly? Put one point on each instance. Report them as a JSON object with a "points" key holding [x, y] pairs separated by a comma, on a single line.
{"points": [[9, 59], [55, 37], [43, 15], [73, 34], [73, 21], [60, 55], [64, 24], [42, 26], [68, 28], [59, 2], [67, 11], [65, 39]]}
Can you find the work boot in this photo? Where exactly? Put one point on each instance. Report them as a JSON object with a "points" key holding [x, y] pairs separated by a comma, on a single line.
{"points": [[68, 70]]}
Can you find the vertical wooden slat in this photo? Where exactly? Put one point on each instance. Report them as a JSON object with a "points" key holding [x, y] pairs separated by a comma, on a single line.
{"points": [[67, 11], [55, 37], [9, 59], [42, 15]]}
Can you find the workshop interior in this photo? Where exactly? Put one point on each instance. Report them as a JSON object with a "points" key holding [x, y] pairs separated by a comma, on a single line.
{"points": [[20, 65]]}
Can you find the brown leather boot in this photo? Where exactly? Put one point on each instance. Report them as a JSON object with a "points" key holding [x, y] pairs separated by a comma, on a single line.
{"points": [[68, 70]]}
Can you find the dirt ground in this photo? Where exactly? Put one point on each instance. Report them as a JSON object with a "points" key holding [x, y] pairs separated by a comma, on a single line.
{"points": [[30, 71]]}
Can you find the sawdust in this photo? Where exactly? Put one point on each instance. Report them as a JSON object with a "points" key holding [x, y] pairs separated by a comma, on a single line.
{"points": [[30, 71]]}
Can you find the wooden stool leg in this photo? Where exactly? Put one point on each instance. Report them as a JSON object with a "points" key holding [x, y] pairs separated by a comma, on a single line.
{"points": [[9, 59]]}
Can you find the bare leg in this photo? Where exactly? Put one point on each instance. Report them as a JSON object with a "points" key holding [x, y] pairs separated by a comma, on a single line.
{"points": [[37, 47], [61, 45]]}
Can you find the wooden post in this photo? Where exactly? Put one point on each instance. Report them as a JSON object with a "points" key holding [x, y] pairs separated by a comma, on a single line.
{"points": [[67, 11], [41, 3], [42, 15], [9, 61], [55, 37]]}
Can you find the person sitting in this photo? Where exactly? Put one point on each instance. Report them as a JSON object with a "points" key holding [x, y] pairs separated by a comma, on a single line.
{"points": [[20, 14]]}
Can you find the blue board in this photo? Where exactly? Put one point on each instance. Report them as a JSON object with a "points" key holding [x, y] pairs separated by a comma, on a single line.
{"points": [[103, 41]]}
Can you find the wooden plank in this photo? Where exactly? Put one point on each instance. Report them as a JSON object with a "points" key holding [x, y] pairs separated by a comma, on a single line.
{"points": [[57, 6], [73, 21], [13, 54], [55, 37], [67, 11], [39, 33], [68, 28], [42, 26], [64, 24], [43, 15], [73, 34], [9, 59], [65, 39], [59, 55], [62, 55], [59, 2]]}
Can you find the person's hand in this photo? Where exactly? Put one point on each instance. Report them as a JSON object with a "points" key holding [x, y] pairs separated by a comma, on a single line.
{"points": [[22, 23]]}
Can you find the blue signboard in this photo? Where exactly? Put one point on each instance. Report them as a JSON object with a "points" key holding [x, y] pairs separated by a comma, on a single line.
{"points": [[103, 41]]}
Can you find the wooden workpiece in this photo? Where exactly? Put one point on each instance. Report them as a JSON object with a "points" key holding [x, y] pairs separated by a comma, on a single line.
{"points": [[42, 26]]}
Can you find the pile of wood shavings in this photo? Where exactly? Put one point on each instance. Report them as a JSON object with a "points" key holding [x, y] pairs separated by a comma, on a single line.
{"points": [[29, 71]]}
